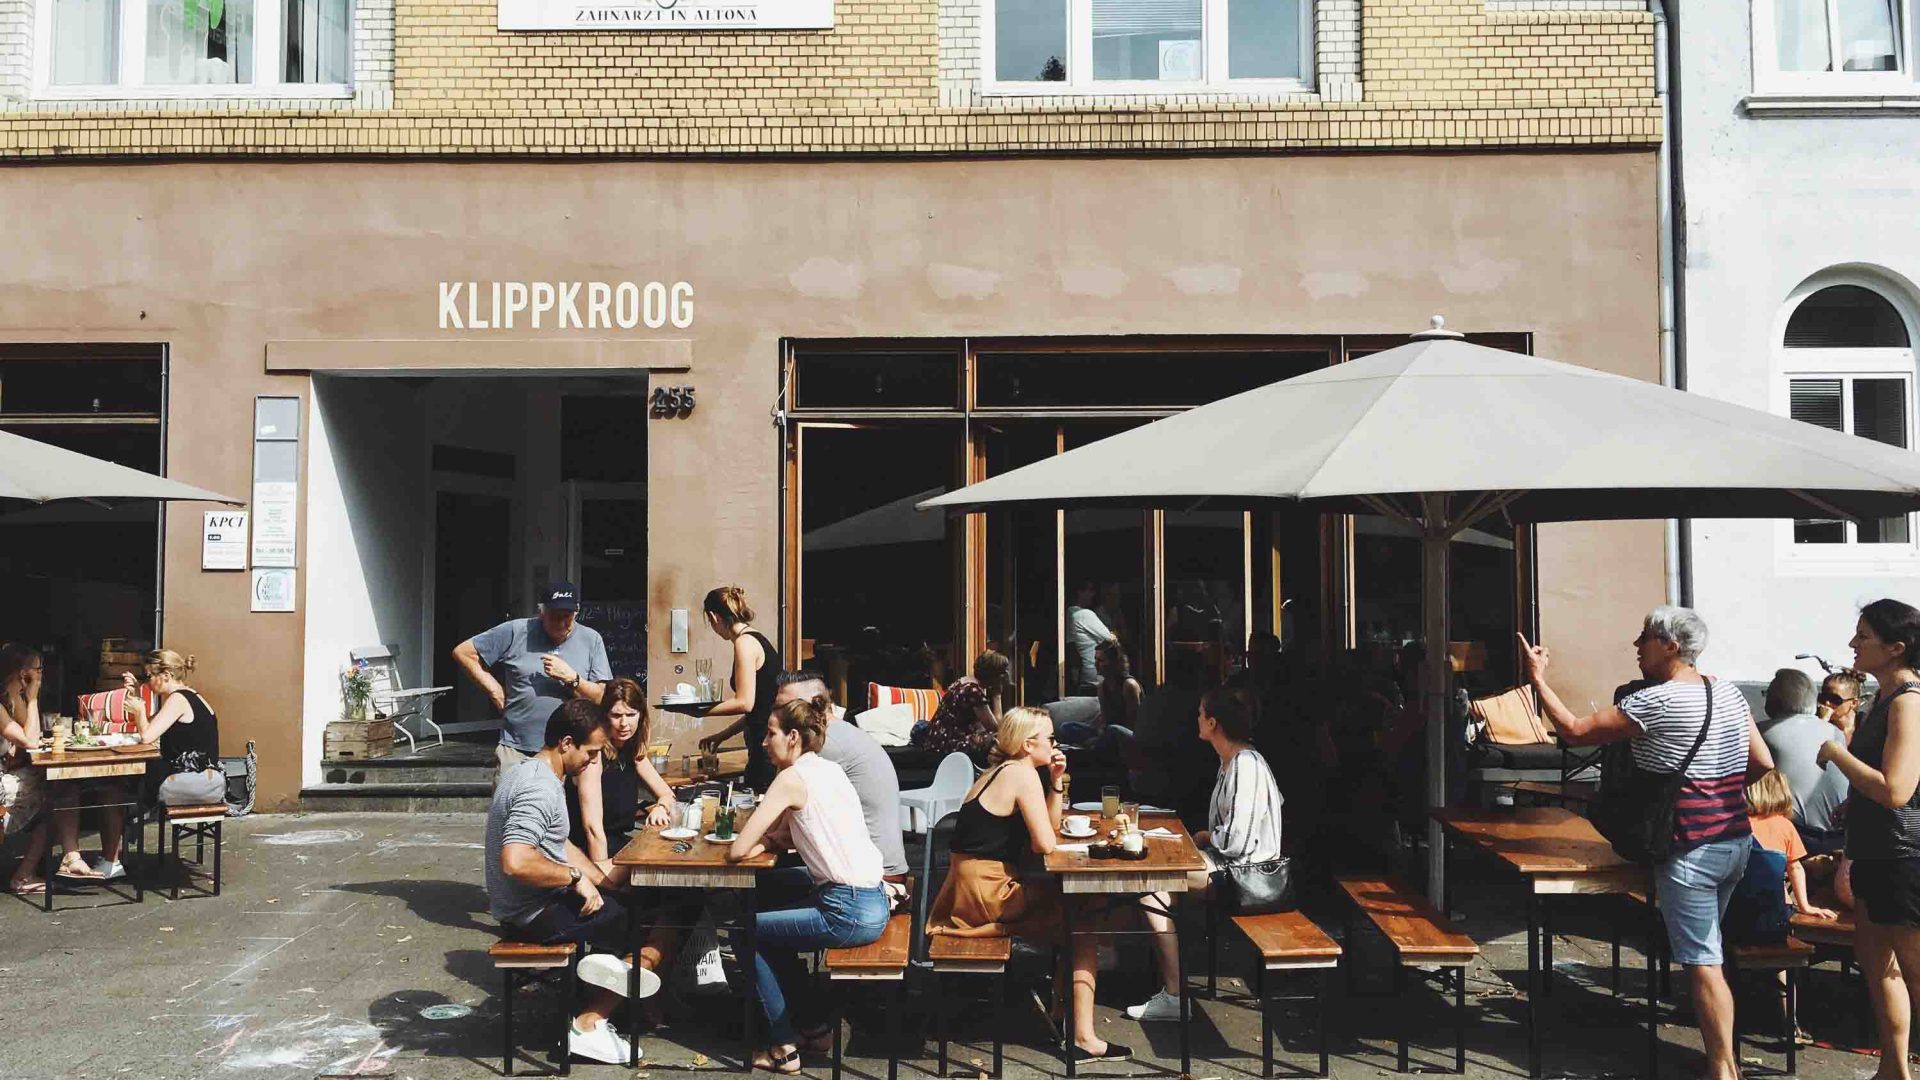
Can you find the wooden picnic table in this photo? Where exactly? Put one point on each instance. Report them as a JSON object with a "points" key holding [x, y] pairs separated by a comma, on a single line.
{"points": [[1555, 853], [1165, 869], [732, 763], [102, 763], [650, 860]]}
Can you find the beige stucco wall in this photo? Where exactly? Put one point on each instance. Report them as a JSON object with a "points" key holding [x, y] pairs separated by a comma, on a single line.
{"points": [[220, 260]]}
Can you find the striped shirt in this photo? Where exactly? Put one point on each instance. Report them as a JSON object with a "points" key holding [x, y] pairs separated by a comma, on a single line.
{"points": [[1243, 816], [1712, 804]]}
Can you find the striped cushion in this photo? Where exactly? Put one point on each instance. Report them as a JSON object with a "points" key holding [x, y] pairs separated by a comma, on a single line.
{"points": [[925, 702], [110, 710]]}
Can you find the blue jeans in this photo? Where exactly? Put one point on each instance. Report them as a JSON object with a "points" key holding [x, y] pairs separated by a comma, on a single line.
{"points": [[812, 917], [1694, 888]]}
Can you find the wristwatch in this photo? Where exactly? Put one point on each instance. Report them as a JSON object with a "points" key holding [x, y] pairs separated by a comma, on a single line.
{"points": [[573, 877], [574, 686]]}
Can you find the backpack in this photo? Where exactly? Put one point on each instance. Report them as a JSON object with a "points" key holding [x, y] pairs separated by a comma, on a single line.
{"points": [[1758, 913]]}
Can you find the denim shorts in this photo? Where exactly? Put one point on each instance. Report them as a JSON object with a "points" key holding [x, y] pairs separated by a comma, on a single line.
{"points": [[1694, 888]]}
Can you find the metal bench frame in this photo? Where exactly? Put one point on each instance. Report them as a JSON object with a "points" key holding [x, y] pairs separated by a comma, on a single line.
{"points": [[513, 977]]}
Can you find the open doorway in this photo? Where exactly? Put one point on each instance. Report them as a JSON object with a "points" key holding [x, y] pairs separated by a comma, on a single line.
{"points": [[439, 506]]}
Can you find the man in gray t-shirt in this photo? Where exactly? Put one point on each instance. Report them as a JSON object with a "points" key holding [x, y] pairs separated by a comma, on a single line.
{"points": [[1795, 736], [529, 667], [543, 890], [866, 764]]}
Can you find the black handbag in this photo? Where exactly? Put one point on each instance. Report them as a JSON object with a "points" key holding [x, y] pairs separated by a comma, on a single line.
{"points": [[1260, 888], [1634, 807]]}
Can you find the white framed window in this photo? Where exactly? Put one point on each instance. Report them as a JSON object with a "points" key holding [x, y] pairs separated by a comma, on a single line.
{"points": [[1833, 47], [1849, 365], [1125, 47], [104, 49]]}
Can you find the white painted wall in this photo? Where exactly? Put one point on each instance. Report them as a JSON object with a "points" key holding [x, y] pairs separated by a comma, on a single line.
{"points": [[366, 501], [1771, 202]]}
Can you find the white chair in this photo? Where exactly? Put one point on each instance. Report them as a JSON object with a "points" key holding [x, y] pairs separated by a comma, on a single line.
{"points": [[924, 806], [395, 703]]}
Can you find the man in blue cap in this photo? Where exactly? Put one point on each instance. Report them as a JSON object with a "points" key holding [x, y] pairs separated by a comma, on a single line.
{"points": [[530, 667]]}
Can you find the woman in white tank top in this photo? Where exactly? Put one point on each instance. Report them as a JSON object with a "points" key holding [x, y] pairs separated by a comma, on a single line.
{"points": [[835, 901]]}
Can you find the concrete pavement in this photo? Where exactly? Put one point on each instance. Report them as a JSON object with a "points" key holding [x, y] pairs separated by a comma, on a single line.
{"points": [[341, 940]]}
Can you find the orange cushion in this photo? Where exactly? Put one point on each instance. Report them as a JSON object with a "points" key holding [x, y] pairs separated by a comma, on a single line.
{"points": [[1511, 719], [924, 702]]}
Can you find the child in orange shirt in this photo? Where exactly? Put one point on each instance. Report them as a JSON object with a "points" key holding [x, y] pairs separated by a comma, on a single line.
{"points": [[1769, 811]]}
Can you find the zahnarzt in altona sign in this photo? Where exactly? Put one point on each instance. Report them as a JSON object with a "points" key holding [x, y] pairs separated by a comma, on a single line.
{"points": [[666, 15]]}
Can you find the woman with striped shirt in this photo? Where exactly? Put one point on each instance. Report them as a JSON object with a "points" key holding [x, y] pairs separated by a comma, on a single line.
{"points": [[1243, 826], [1711, 837], [1882, 763]]}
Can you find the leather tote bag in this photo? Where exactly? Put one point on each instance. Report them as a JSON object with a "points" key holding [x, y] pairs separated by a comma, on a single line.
{"points": [[1634, 808]]}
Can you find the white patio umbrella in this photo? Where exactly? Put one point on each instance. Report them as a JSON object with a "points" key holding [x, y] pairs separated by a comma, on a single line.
{"points": [[1442, 435], [37, 472]]}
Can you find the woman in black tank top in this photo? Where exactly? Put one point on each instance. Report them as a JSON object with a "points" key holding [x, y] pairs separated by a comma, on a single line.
{"points": [[985, 893], [1882, 763], [756, 673]]}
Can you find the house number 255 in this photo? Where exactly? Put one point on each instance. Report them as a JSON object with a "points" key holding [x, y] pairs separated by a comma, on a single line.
{"points": [[670, 402]]}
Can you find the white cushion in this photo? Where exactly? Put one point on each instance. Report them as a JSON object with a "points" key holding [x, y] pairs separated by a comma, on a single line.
{"points": [[890, 725]]}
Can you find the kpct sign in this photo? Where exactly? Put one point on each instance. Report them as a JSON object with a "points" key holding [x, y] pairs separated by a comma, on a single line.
{"points": [[666, 15], [223, 540]]}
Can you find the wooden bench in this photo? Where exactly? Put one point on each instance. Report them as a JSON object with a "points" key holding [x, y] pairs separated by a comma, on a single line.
{"points": [[885, 960], [1789, 957], [201, 822], [1421, 936], [948, 954], [519, 964], [1289, 941]]}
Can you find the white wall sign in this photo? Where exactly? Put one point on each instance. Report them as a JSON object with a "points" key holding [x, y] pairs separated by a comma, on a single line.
{"points": [[666, 15], [272, 589], [223, 540], [274, 516]]}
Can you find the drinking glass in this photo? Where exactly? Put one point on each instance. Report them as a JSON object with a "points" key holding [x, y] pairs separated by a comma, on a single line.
{"points": [[1132, 810], [1110, 802]]}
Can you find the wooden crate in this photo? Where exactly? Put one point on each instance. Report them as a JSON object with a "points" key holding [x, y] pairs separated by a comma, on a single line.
{"points": [[358, 739]]}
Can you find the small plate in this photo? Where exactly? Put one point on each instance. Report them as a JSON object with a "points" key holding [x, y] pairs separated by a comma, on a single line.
{"points": [[716, 838], [1087, 807], [679, 834], [1088, 835]]}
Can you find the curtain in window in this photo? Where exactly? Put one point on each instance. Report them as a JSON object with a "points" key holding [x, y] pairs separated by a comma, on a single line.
{"points": [[319, 41], [1147, 39], [199, 42], [1867, 36], [1800, 35], [86, 42], [1818, 402]]}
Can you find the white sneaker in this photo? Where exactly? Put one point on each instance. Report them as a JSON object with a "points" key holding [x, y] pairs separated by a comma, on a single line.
{"points": [[602, 1044], [1161, 1006], [109, 871], [609, 972]]}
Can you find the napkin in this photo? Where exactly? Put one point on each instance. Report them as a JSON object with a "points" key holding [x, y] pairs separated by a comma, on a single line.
{"points": [[1077, 849], [1162, 833]]}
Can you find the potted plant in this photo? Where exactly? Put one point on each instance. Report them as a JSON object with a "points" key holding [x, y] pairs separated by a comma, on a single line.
{"points": [[356, 690]]}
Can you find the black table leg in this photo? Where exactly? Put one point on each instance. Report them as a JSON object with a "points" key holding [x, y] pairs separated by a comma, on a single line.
{"points": [[1326, 988], [1793, 1022], [749, 963], [633, 984], [1546, 949], [1653, 994], [1460, 1021], [1186, 1005], [1533, 981], [1266, 1020], [1066, 1025]]}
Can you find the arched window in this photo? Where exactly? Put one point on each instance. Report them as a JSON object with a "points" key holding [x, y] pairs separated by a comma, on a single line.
{"points": [[1850, 368]]}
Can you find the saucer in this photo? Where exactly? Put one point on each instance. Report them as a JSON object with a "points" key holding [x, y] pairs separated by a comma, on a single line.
{"points": [[1088, 835], [678, 834], [716, 838]]}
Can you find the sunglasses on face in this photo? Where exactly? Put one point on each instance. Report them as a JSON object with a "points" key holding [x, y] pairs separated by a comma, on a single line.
{"points": [[1834, 701]]}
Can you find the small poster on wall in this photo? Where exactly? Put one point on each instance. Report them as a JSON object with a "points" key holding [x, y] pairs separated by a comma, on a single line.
{"points": [[272, 589], [223, 540], [275, 509], [665, 15]]}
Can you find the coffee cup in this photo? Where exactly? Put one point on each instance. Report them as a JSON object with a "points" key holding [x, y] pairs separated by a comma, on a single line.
{"points": [[1077, 825]]}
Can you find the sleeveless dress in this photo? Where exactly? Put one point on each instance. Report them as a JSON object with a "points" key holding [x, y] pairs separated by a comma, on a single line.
{"points": [[1884, 843], [619, 806], [766, 683], [984, 894]]}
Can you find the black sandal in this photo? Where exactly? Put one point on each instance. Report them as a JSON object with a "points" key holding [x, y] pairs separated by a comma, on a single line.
{"points": [[777, 1063], [1115, 1052]]}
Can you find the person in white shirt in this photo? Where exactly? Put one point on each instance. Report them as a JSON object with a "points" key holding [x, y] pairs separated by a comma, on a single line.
{"points": [[1085, 632], [837, 898], [1243, 826]]}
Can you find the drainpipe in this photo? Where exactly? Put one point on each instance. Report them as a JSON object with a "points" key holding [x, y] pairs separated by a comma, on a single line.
{"points": [[1672, 361]]}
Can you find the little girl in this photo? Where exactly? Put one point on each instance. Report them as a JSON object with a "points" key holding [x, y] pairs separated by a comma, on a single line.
{"points": [[1769, 810]]}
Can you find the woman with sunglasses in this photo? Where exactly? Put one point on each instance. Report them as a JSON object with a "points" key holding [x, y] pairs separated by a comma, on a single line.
{"points": [[1010, 814]]}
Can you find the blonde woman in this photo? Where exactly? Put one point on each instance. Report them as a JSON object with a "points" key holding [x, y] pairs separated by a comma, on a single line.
{"points": [[21, 792], [1012, 810], [756, 670]]}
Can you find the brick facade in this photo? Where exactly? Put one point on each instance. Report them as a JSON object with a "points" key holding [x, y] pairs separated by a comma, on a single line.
{"points": [[434, 77]]}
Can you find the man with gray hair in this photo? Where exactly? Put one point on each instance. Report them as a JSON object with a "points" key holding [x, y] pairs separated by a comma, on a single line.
{"points": [[1795, 735]]}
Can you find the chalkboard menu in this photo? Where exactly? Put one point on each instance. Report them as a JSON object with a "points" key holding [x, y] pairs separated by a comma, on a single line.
{"points": [[623, 626]]}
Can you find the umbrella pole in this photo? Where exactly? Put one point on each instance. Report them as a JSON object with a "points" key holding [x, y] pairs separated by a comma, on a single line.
{"points": [[1436, 568]]}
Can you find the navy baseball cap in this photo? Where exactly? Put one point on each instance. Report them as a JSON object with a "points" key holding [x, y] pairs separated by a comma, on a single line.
{"points": [[561, 596]]}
